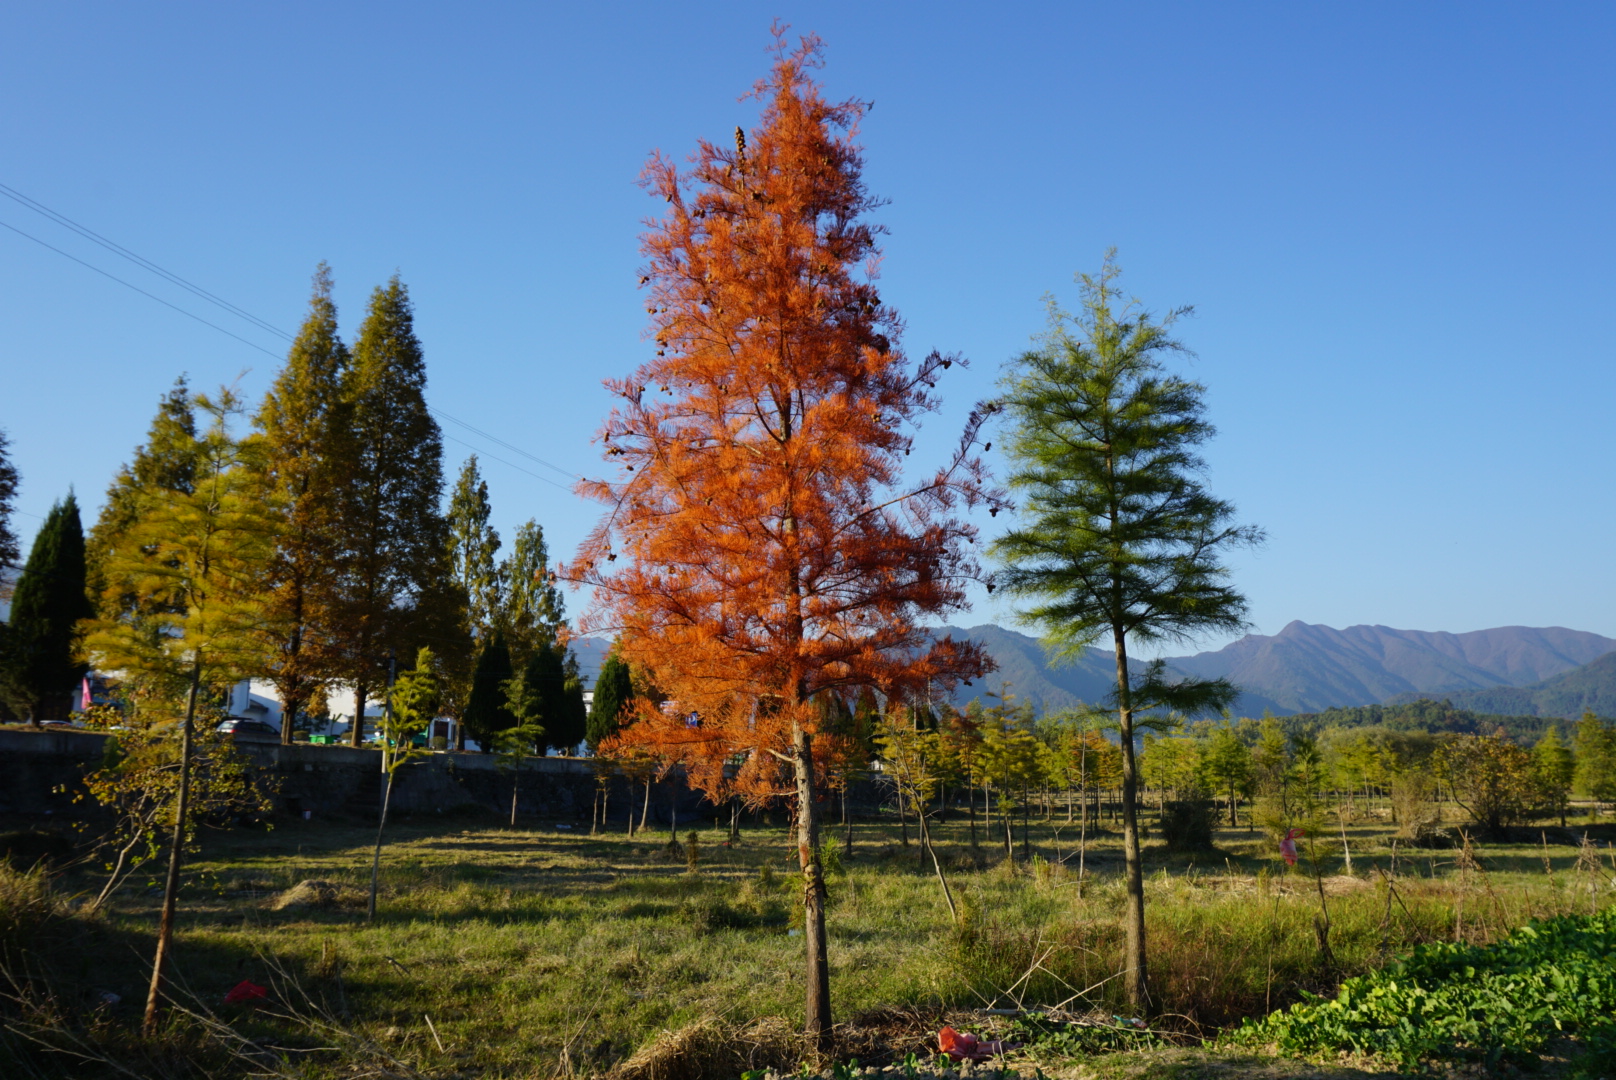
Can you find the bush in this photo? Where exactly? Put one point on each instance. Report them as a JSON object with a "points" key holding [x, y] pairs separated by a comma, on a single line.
{"points": [[1447, 1001], [1186, 824]]}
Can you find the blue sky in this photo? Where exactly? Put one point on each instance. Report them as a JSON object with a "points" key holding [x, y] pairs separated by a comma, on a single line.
{"points": [[1395, 222]]}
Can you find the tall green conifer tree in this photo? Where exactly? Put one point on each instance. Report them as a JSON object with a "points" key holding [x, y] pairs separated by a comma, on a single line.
{"points": [[473, 543], [614, 692], [394, 538], [308, 458], [1119, 541], [534, 609], [487, 711], [10, 550], [39, 654]]}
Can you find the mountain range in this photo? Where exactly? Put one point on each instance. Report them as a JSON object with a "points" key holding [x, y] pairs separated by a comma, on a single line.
{"points": [[1508, 670], [1548, 671]]}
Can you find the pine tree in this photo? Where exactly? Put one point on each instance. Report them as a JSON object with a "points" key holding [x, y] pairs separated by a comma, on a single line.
{"points": [[1594, 746], [1120, 539], [1554, 768], [191, 563], [614, 692], [304, 423], [39, 661], [477, 578], [10, 549], [534, 609], [395, 542], [473, 543], [487, 712], [164, 462]]}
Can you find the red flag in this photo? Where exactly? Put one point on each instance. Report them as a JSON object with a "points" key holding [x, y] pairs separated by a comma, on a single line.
{"points": [[245, 992], [1287, 846]]}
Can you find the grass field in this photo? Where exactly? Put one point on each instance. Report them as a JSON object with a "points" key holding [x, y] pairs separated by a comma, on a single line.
{"points": [[541, 951]]}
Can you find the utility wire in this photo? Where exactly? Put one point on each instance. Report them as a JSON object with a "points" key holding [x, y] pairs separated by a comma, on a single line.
{"points": [[502, 461], [138, 260], [138, 289], [147, 264]]}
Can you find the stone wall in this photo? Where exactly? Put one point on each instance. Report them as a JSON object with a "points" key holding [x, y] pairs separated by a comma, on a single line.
{"points": [[40, 773]]}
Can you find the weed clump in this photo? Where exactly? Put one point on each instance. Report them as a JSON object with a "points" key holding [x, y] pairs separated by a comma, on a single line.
{"points": [[326, 895]]}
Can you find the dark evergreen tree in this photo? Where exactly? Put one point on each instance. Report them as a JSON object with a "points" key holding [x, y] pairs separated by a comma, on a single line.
{"points": [[395, 541], [10, 549], [574, 721], [473, 543], [39, 664], [614, 692], [304, 427], [1119, 537], [487, 711]]}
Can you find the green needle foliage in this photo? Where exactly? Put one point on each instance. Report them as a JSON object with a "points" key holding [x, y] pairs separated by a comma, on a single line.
{"points": [[487, 711], [165, 462], [191, 562], [9, 479], [39, 663], [614, 691], [473, 544], [395, 538], [534, 608], [1119, 539], [412, 705], [304, 424]]}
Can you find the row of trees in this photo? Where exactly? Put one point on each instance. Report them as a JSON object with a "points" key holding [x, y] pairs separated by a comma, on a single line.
{"points": [[314, 530], [1494, 778], [764, 561]]}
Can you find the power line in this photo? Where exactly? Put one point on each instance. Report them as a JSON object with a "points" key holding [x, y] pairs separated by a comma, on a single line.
{"points": [[506, 445], [138, 289], [502, 461], [147, 264], [139, 260]]}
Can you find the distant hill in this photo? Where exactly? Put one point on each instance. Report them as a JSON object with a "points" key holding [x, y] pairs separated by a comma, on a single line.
{"points": [[1590, 688], [1307, 668], [1026, 671]]}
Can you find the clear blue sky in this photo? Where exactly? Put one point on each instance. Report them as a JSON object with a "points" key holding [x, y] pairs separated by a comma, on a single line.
{"points": [[1395, 222]]}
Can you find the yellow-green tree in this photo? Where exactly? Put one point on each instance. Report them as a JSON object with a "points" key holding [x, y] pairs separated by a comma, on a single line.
{"points": [[411, 707], [1491, 778], [190, 563], [1011, 762], [1554, 767], [913, 757]]}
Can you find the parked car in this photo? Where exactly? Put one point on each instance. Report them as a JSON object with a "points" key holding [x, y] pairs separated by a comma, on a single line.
{"points": [[243, 728]]}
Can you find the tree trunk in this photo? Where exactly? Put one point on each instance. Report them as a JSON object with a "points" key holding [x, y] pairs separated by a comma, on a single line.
{"points": [[970, 809], [817, 1023], [376, 859], [1135, 983], [516, 782], [926, 845], [171, 885], [645, 811], [356, 734]]}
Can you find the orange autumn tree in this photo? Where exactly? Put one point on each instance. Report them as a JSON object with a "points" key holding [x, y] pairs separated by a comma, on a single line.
{"points": [[758, 549]]}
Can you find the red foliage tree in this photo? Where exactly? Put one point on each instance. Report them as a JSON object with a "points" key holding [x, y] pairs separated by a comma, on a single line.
{"points": [[759, 549]]}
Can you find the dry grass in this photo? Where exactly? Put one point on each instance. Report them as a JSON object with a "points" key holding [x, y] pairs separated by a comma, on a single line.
{"points": [[540, 953]]}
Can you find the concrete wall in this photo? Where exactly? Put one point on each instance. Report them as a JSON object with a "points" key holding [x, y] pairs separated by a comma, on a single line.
{"points": [[40, 773]]}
